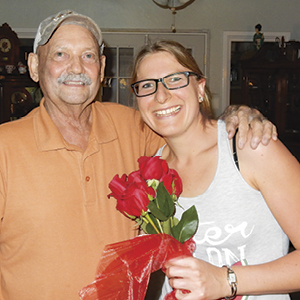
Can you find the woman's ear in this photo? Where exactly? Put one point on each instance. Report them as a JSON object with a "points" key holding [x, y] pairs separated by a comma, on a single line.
{"points": [[33, 64], [201, 89]]}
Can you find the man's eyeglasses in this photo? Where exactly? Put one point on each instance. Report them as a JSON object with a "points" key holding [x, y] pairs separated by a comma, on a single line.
{"points": [[174, 81]]}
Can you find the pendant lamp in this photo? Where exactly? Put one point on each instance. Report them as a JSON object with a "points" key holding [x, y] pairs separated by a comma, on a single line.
{"points": [[173, 5]]}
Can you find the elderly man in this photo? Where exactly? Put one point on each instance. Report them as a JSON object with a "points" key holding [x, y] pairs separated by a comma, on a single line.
{"points": [[55, 165]]}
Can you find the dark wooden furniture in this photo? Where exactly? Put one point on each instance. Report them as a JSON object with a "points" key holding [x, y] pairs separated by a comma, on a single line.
{"points": [[9, 46], [18, 93], [271, 83]]}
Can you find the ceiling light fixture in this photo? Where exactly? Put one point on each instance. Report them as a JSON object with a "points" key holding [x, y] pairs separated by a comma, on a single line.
{"points": [[173, 5]]}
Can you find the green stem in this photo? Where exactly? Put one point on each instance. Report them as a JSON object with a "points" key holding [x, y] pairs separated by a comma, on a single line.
{"points": [[160, 227], [172, 221], [144, 219], [151, 222]]}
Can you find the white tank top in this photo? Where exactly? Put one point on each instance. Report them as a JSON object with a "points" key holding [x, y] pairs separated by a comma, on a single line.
{"points": [[235, 222]]}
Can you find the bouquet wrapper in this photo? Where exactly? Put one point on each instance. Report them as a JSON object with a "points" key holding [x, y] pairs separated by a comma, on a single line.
{"points": [[125, 267]]}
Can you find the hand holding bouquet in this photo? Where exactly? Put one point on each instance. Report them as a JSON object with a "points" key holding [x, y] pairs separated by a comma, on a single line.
{"points": [[149, 196]]}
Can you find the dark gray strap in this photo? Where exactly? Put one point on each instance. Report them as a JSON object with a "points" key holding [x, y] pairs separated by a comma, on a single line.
{"points": [[235, 157]]}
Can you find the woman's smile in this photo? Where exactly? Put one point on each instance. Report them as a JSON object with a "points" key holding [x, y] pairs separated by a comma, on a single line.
{"points": [[168, 112]]}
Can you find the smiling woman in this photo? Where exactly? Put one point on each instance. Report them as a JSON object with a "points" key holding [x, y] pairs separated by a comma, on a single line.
{"points": [[187, 68], [154, 105], [231, 229]]}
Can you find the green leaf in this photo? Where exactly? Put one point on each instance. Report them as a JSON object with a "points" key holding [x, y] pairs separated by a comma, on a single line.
{"points": [[141, 223], [152, 206], [166, 226], [149, 228], [164, 201], [187, 225], [175, 221]]}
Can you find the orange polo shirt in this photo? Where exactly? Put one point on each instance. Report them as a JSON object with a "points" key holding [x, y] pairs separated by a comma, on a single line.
{"points": [[55, 214]]}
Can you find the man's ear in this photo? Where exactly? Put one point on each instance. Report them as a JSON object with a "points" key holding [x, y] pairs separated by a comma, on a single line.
{"points": [[102, 67], [33, 64]]}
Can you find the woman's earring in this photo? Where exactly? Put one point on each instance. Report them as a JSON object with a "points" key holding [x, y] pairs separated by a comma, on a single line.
{"points": [[200, 99]]}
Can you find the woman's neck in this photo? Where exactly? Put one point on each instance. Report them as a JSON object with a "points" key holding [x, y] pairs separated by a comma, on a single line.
{"points": [[191, 144], [195, 158]]}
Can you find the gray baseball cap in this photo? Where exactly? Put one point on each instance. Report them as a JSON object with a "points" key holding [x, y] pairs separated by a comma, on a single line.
{"points": [[49, 25]]}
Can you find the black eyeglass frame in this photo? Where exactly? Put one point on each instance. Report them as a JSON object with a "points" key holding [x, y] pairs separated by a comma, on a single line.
{"points": [[187, 74]]}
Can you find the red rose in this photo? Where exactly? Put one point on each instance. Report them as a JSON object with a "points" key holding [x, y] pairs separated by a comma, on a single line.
{"points": [[152, 167], [134, 201], [131, 193], [118, 186], [172, 183], [136, 177]]}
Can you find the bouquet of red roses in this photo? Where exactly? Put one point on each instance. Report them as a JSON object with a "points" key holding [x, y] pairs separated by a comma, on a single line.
{"points": [[148, 196]]}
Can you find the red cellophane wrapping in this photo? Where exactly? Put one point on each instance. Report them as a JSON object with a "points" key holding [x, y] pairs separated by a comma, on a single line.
{"points": [[125, 267]]}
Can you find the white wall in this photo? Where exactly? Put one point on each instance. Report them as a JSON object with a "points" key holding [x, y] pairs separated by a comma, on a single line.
{"points": [[215, 15]]}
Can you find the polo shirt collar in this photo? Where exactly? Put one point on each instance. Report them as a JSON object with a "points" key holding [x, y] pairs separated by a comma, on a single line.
{"points": [[49, 138]]}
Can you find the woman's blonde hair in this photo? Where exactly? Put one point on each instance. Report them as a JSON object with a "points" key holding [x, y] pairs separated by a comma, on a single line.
{"points": [[185, 58]]}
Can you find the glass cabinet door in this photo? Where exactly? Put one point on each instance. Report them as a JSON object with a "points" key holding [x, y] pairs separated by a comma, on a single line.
{"points": [[116, 85], [119, 50]]}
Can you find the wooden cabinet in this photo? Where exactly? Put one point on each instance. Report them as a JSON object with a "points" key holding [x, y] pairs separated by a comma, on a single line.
{"points": [[271, 83], [18, 95]]}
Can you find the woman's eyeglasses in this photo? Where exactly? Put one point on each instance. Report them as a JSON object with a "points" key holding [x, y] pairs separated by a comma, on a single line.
{"points": [[174, 81]]}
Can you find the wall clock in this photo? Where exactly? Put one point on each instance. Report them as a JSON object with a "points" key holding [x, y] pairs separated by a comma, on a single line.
{"points": [[5, 45], [9, 46]]}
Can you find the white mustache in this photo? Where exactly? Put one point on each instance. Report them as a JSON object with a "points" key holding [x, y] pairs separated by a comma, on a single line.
{"points": [[75, 77]]}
